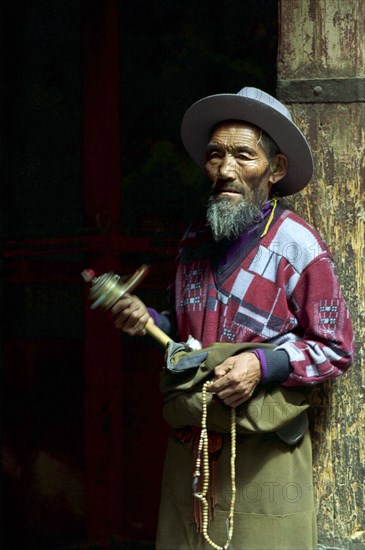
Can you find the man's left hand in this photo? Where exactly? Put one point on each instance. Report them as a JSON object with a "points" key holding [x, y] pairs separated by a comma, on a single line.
{"points": [[236, 378]]}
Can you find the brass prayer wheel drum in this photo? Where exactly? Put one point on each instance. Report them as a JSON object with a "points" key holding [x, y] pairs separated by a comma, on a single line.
{"points": [[109, 287]]}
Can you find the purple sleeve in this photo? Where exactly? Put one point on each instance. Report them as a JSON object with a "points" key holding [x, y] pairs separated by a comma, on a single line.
{"points": [[154, 315], [163, 321], [261, 357]]}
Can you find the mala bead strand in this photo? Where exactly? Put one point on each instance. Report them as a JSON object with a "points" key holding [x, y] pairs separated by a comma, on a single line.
{"points": [[233, 474], [203, 456]]}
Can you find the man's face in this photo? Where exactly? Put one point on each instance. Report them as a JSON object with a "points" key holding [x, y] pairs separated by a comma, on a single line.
{"points": [[236, 163]]}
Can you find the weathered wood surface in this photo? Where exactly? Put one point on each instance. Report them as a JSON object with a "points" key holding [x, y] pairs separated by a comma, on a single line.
{"points": [[326, 39]]}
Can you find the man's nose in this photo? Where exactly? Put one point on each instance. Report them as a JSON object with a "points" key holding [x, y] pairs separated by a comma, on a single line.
{"points": [[226, 168]]}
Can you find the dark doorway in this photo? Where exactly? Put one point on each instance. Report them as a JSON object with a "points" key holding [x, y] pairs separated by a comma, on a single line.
{"points": [[171, 54]]}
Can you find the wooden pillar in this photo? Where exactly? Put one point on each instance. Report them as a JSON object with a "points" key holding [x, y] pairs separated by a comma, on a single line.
{"points": [[321, 77], [102, 352]]}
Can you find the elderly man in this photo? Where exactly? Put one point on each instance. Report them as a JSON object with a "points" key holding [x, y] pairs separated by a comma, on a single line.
{"points": [[252, 272]]}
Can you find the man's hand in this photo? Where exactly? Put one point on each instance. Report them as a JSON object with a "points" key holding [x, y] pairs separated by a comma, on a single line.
{"points": [[131, 315], [236, 378]]}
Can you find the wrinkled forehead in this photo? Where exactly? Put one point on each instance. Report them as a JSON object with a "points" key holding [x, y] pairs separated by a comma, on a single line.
{"points": [[235, 132]]}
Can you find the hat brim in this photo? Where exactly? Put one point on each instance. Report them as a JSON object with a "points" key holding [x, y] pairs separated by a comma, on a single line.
{"points": [[199, 120]]}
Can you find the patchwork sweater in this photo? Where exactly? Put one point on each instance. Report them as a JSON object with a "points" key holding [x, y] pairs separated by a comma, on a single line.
{"points": [[280, 288]]}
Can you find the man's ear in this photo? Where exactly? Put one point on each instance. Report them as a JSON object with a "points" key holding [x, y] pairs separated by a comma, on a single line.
{"points": [[279, 164]]}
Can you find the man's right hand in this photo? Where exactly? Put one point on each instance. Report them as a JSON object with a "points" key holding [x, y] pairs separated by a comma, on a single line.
{"points": [[131, 315]]}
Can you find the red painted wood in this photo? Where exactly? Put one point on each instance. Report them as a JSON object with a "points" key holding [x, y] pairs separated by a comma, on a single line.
{"points": [[102, 356]]}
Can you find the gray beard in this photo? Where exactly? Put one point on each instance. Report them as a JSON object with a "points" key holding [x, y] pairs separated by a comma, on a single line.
{"points": [[229, 221]]}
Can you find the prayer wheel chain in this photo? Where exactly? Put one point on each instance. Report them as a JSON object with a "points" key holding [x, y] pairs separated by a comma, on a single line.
{"points": [[203, 454]]}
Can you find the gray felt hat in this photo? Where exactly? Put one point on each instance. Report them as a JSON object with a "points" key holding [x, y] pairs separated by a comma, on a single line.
{"points": [[258, 108]]}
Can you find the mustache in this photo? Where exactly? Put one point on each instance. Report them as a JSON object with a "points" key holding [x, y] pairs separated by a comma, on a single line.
{"points": [[222, 186]]}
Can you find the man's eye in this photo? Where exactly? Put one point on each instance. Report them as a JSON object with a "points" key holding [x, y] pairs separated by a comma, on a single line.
{"points": [[213, 155]]}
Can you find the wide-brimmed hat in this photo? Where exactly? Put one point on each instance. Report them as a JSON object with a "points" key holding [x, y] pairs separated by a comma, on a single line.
{"points": [[264, 111]]}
